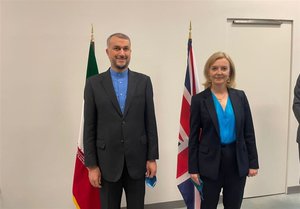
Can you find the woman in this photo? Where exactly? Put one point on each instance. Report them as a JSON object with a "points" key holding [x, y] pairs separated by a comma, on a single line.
{"points": [[222, 148]]}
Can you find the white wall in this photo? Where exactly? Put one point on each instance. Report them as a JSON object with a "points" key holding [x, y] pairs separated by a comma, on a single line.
{"points": [[0, 105], [44, 48]]}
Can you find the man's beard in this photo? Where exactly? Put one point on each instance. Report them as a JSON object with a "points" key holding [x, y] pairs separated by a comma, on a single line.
{"points": [[122, 67]]}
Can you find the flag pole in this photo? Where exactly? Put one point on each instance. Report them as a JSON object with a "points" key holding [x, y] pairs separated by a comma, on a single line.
{"points": [[190, 33], [92, 34]]}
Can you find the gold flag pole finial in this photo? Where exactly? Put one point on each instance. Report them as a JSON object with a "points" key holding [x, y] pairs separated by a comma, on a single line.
{"points": [[92, 35], [190, 33]]}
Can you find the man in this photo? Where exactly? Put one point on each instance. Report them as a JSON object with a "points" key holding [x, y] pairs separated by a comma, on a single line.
{"points": [[120, 133], [296, 109]]}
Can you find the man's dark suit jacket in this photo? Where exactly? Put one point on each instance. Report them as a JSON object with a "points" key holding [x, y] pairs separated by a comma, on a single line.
{"points": [[296, 107], [110, 137], [205, 142]]}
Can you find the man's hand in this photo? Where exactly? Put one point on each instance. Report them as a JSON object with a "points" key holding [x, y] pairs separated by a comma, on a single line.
{"points": [[252, 172], [195, 178], [151, 168], [95, 176]]}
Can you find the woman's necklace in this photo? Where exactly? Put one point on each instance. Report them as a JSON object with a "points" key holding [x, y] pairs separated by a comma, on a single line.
{"points": [[222, 97]]}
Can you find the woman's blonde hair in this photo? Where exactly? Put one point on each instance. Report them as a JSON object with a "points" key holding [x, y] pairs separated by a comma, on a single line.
{"points": [[211, 60]]}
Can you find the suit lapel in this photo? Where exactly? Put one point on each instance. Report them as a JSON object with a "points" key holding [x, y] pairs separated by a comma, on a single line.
{"points": [[130, 91], [212, 110], [237, 108], [108, 86]]}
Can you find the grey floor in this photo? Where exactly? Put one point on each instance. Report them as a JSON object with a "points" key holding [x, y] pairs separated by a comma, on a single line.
{"points": [[282, 201]]}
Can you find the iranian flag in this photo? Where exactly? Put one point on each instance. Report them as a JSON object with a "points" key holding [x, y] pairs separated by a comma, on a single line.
{"points": [[85, 196]]}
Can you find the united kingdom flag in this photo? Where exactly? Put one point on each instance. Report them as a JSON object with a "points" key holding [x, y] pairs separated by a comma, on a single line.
{"points": [[188, 191]]}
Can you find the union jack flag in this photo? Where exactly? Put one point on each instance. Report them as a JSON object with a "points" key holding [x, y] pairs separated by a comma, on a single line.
{"points": [[188, 191]]}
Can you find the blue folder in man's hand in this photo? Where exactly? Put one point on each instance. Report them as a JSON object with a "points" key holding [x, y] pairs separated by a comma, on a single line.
{"points": [[151, 182], [199, 187]]}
